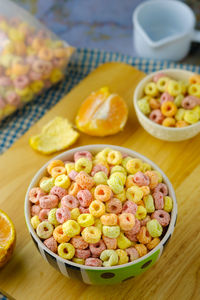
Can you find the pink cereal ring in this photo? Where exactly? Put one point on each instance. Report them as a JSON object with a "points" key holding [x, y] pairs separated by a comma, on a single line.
{"points": [[43, 214], [48, 201], [114, 206], [158, 76], [158, 200], [2, 103], [129, 207], [145, 221], [58, 191], [69, 202], [80, 154], [12, 98], [162, 217], [162, 188], [39, 66], [51, 244], [35, 76], [190, 102], [35, 194], [5, 81], [62, 214], [97, 248], [72, 175], [156, 116], [132, 233], [21, 81], [84, 210], [80, 253], [99, 168], [141, 179], [110, 243], [79, 243], [132, 253], [35, 210], [93, 262], [84, 197], [166, 97]]}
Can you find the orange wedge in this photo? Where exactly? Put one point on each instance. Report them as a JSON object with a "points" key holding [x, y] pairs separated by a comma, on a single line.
{"points": [[102, 113], [7, 238]]}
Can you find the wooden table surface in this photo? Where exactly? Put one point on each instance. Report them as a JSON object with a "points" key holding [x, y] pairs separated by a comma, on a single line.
{"points": [[176, 275]]}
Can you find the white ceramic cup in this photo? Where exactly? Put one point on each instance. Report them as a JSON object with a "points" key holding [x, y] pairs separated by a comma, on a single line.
{"points": [[164, 29]]}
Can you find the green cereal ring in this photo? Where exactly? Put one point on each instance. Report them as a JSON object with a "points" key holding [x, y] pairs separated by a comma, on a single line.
{"points": [[178, 100], [179, 116], [118, 169], [47, 184], [111, 231], [149, 204], [52, 217], [109, 258], [154, 228], [83, 164], [100, 178], [116, 185], [119, 175], [144, 106]]}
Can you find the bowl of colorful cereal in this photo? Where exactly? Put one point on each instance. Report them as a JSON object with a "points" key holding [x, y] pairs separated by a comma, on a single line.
{"points": [[100, 213], [167, 104]]}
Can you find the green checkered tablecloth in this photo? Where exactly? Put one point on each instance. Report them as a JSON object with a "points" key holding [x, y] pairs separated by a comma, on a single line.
{"points": [[83, 62]]}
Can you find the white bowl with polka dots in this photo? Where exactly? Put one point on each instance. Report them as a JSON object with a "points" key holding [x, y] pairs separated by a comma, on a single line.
{"points": [[156, 130], [101, 275]]}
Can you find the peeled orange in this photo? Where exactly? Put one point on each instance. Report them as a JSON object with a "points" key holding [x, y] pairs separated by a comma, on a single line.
{"points": [[7, 238], [102, 113]]}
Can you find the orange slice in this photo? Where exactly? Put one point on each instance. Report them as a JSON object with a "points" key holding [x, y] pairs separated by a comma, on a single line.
{"points": [[102, 113], [7, 238]]}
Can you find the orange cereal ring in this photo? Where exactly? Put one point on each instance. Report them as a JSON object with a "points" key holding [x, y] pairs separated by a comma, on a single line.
{"points": [[45, 54], [37, 43], [141, 203], [168, 109], [103, 192], [59, 170], [74, 189], [59, 235], [153, 179], [54, 163], [109, 219], [146, 190], [141, 249], [143, 236], [154, 103], [194, 79], [60, 52], [181, 123], [126, 221], [20, 48], [84, 180], [153, 243], [169, 122], [19, 69]]}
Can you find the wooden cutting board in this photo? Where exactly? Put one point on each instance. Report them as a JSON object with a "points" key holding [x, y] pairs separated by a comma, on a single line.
{"points": [[176, 276]]}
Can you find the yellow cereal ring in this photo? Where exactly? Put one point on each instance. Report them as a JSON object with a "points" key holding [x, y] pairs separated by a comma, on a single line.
{"points": [[66, 250], [91, 234], [122, 256], [151, 89]]}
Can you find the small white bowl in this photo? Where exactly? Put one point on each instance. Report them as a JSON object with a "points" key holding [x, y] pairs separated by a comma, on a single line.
{"points": [[159, 131]]}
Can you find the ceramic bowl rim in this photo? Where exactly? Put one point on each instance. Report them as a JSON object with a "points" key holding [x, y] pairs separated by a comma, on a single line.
{"points": [[95, 148], [139, 87]]}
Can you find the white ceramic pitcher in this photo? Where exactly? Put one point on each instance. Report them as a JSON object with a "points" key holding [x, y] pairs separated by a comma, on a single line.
{"points": [[164, 29]]}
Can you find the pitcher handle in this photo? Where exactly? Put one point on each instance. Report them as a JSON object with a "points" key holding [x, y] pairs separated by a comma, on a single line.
{"points": [[196, 36]]}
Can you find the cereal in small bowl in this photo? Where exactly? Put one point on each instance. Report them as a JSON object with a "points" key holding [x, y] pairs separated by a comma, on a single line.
{"points": [[167, 104]]}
